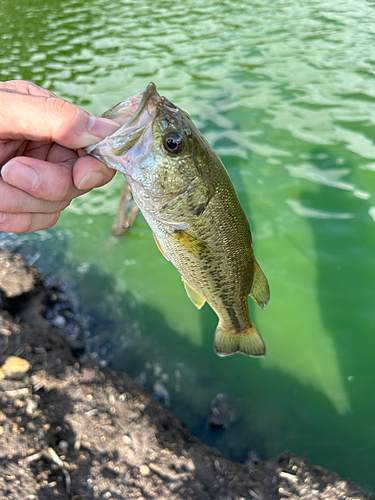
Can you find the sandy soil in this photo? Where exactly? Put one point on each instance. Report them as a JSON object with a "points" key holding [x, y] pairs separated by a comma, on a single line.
{"points": [[72, 430]]}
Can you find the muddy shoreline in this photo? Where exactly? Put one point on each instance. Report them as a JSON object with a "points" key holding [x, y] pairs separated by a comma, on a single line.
{"points": [[72, 430]]}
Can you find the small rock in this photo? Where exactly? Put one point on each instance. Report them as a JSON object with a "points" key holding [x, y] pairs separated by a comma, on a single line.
{"points": [[144, 470], [63, 445], [161, 393], [253, 458], [223, 412], [14, 368], [127, 440], [58, 321], [16, 277]]}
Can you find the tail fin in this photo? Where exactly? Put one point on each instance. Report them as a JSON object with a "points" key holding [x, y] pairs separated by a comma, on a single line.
{"points": [[248, 342]]}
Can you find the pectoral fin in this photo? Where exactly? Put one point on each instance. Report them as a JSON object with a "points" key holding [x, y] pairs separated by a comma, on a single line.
{"points": [[192, 244], [196, 299], [260, 291]]}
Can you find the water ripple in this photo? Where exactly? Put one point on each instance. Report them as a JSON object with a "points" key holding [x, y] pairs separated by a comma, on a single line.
{"points": [[331, 177], [314, 213]]}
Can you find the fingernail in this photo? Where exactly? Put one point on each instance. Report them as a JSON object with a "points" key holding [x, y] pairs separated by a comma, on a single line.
{"points": [[101, 127], [3, 216], [91, 180], [20, 175]]}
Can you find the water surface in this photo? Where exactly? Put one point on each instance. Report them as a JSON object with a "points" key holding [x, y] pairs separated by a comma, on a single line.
{"points": [[285, 93]]}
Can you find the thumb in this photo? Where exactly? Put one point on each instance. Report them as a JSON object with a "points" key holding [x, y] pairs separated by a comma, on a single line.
{"points": [[48, 118]]}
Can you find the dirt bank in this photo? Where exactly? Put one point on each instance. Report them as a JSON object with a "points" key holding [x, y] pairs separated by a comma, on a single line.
{"points": [[72, 430]]}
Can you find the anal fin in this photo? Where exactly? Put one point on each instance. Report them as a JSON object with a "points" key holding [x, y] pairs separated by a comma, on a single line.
{"points": [[260, 290], [196, 299]]}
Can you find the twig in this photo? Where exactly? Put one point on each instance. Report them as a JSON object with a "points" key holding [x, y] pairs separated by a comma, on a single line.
{"points": [[124, 217], [51, 455]]}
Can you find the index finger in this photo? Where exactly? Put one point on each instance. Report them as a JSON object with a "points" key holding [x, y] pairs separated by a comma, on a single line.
{"points": [[41, 118], [24, 87]]}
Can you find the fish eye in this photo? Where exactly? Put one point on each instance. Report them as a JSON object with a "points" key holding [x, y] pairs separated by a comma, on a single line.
{"points": [[173, 143]]}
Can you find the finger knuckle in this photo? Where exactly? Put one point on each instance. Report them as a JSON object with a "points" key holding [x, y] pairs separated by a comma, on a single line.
{"points": [[61, 107], [59, 190], [55, 218], [26, 223], [10, 198], [59, 206], [59, 195], [64, 205], [47, 221], [16, 223], [64, 116], [15, 204]]}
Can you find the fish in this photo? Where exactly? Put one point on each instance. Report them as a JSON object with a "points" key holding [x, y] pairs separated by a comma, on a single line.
{"points": [[187, 198]]}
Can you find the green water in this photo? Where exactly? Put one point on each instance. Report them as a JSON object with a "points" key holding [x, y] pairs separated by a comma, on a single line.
{"points": [[285, 93]]}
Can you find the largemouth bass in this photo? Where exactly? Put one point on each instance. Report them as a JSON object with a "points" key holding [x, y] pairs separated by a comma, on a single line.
{"points": [[186, 196]]}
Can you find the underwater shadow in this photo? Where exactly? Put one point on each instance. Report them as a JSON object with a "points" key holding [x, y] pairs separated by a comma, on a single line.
{"points": [[345, 288]]}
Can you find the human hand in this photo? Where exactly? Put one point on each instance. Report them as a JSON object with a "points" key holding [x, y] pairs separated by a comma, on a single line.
{"points": [[41, 169]]}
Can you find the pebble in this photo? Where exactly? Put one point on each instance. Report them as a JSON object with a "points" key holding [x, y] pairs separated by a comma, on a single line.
{"points": [[58, 321], [14, 368], [223, 412], [31, 406], [63, 445], [127, 440], [144, 470]]}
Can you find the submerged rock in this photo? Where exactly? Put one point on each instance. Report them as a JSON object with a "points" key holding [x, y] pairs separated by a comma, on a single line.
{"points": [[16, 277], [223, 412]]}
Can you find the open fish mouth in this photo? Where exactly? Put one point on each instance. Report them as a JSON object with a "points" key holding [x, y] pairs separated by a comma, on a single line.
{"points": [[150, 94], [133, 115]]}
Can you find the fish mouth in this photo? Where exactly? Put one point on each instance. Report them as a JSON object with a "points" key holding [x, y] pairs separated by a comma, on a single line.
{"points": [[121, 141], [148, 95]]}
